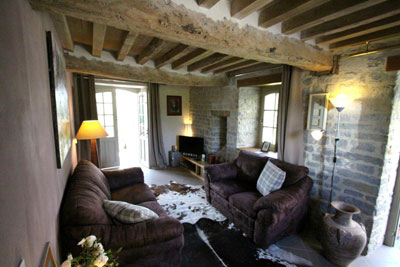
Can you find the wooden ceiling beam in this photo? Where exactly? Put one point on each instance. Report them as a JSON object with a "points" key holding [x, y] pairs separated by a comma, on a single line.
{"points": [[214, 58], [260, 81], [172, 55], [254, 68], [61, 25], [242, 8], [393, 63], [361, 30], [323, 13], [356, 19], [224, 63], [98, 67], [281, 10], [190, 58], [173, 22], [127, 45], [155, 46], [236, 66], [387, 33], [99, 33], [207, 3]]}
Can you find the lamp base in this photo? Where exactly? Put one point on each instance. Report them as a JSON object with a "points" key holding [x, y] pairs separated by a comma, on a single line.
{"points": [[93, 152]]}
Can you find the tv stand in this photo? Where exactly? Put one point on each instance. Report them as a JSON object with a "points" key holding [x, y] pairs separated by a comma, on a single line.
{"points": [[196, 167]]}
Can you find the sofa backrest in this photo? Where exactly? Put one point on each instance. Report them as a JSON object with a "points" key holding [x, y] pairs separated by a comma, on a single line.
{"points": [[84, 195], [250, 166], [294, 173]]}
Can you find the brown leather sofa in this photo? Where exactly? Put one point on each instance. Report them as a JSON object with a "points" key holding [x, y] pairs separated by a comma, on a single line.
{"points": [[231, 188], [155, 242]]}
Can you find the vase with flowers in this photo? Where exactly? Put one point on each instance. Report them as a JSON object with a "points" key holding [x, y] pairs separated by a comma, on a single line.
{"points": [[92, 255]]}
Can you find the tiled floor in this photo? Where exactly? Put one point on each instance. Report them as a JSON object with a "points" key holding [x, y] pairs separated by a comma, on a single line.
{"points": [[303, 245]]}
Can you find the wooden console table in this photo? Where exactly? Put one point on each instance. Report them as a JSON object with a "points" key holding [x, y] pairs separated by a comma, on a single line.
{"points": [[198, 166]]}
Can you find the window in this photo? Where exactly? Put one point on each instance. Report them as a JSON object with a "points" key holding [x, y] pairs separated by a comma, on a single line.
{"points": [[270, 119], [105, 111]]}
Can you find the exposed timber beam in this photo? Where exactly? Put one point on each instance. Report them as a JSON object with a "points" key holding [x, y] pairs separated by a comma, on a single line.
{"points": [[361, 30], [282, 10], [155, 46], [99, 33], [242, 8], [61, 25], [224, 63], [175, 53], [190, 58], [207, 3], [236, 66], [260, 81], [173, 22], [107, 69], [356, 19], [387, 33], [127, 45], [254, 68], [323, 13], [393, 63], [215, 58]]}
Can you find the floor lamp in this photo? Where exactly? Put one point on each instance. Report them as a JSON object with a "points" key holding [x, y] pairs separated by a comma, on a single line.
{"points": [[340, 102], [91, 130]]}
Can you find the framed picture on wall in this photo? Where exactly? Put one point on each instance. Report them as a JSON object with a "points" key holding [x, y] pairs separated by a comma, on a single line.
{"points": [[59, 99], [317, 112], [174, 105]]}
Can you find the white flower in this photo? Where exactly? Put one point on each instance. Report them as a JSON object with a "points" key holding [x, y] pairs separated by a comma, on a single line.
{"points": [[82, 242], [99, 248], [90, 240], [70, 257], [66, 263], [101, 260]]}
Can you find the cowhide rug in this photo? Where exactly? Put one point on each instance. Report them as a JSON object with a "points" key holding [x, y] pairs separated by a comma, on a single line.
{"points": [[210, 239]]}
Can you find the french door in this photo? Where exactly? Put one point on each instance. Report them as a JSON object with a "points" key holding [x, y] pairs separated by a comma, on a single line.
{"points": [[107, 116], [143, 128]]}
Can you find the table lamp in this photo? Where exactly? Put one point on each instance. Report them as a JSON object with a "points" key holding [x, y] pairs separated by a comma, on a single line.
{"points": [[91, 130]]}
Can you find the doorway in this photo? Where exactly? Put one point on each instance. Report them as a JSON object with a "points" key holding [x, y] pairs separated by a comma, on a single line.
{"points": [[392, 236], [122, 110]]}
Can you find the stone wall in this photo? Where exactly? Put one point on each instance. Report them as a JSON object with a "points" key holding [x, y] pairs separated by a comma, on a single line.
{"points": [[249, 117], [204, 100], [362, 150]]}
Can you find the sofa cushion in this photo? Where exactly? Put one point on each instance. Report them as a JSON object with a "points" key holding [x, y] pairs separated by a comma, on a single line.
{"points": [[245, 201], [84, 195], [134, 194], [271, 179], [250, 166], [228, 187], [294, 173], [127, 212]]}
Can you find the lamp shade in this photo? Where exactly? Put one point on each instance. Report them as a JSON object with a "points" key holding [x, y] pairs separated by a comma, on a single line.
{"points": [[341, 101], [317, 134], [91, 130]]}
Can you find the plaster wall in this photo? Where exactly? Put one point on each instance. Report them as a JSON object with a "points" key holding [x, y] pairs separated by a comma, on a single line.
{"points": [[31, 186], [172, 126]]}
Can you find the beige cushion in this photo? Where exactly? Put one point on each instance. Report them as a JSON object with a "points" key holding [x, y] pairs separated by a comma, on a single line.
{"points": [[128, 213]]}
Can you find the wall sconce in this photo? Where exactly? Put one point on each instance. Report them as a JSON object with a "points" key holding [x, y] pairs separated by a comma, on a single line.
{"points": [[188, 129], [317, 134]]}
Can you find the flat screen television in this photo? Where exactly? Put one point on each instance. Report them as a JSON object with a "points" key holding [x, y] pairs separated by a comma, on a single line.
{"points": [[191, 145]]}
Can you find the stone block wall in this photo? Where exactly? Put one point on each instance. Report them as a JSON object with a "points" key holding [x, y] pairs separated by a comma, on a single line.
{"points": [[204, 100], [249, 117], [364, 158]]}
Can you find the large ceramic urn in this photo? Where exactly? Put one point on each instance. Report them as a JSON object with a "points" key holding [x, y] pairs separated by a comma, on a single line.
{"points": [[342, 239]]}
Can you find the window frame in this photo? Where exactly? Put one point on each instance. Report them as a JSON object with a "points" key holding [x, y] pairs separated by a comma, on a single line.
{"points": [[264, 93]]}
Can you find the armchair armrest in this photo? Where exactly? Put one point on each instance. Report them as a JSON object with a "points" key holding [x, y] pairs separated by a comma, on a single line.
{"points": [[125, 177], [149, 232], [221, 171], [287, 198]]}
